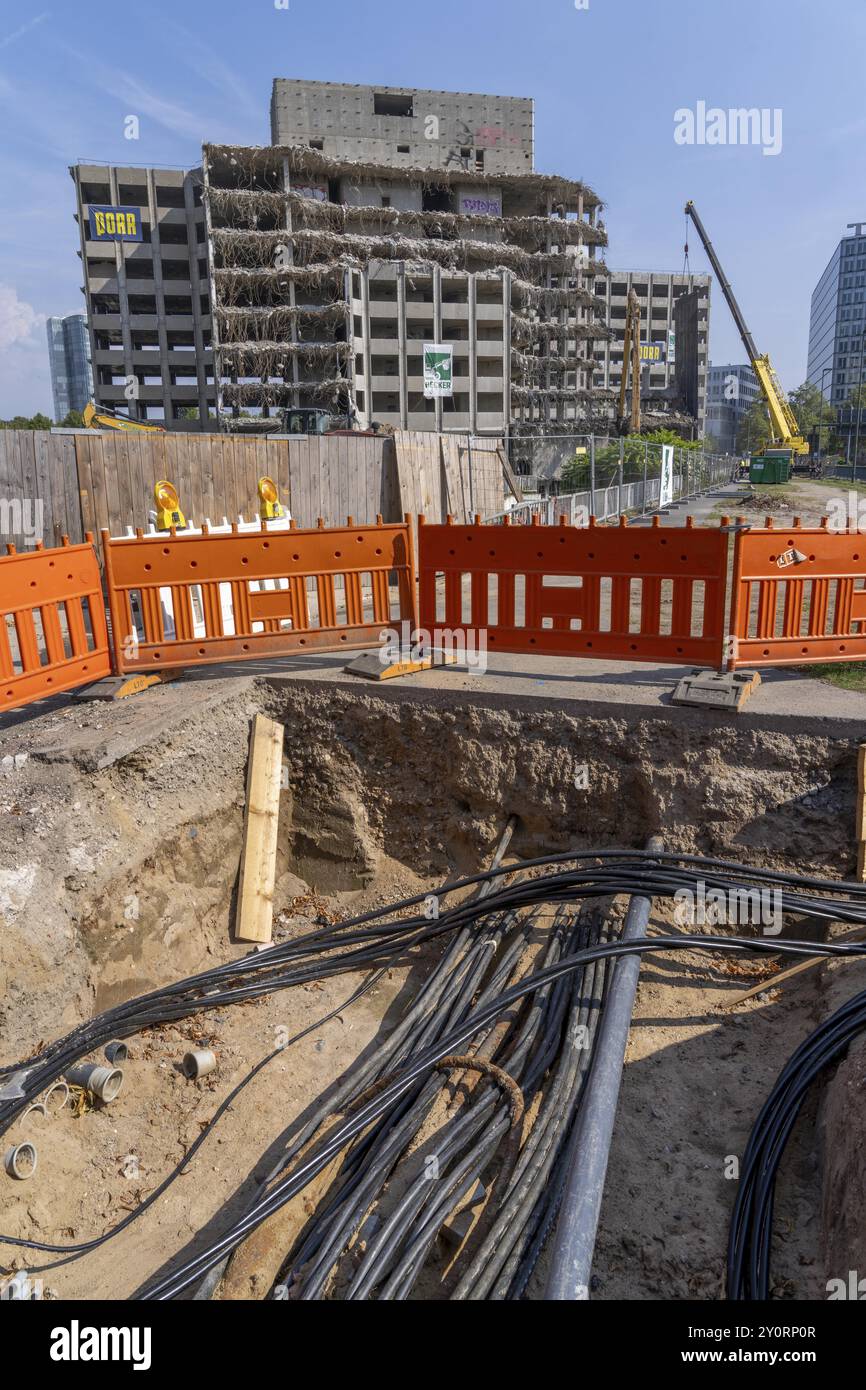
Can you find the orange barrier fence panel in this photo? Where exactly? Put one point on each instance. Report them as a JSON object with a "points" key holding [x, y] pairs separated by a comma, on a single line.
{"points": [[53, 633], [623, 593], [180, 600], [799, 595]]}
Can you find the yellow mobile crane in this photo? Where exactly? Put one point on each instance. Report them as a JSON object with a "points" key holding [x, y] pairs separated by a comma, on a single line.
{"points": [[786, 440]]}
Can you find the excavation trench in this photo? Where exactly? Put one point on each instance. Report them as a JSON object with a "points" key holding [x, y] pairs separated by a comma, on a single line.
{"points": [[118, 874]]}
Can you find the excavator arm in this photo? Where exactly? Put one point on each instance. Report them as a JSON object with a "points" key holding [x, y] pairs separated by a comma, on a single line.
{"points": [[105, 419], [630, 355]]}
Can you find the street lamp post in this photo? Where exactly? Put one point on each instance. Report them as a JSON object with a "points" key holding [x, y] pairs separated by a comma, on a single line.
{"points": [[824, 371]]}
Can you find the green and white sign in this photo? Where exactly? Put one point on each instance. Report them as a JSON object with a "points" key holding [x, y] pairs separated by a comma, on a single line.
{"points": [[438, 369], [666, 479]]}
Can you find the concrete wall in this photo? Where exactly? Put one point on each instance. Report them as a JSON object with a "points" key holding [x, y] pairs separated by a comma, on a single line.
{"points": [[395, 312], [445, 129], [687, 327], [657, 292], [369, 195]]}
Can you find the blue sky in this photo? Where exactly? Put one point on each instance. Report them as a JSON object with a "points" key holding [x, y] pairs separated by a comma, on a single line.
{"points": [[607, 80]]}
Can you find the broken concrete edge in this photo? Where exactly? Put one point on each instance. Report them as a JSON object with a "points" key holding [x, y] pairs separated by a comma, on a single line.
{"points": [[94, 748], [846, 728]]}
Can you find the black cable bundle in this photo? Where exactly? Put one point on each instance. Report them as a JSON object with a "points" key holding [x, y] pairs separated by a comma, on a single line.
{"points": [[372, 1119], [752, 1220]]}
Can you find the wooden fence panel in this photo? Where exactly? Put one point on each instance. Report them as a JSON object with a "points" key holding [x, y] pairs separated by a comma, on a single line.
{"points": [[37, 489], [101, 480]]}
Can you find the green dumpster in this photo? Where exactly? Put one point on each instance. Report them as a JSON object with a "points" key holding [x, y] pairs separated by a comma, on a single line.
{"points": [[770, 469]]}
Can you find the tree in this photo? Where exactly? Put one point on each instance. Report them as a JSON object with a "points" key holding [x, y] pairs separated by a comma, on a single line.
{"points": [[73, 420], [754, 429], [574, 476], [811, 408], [23, 422]]}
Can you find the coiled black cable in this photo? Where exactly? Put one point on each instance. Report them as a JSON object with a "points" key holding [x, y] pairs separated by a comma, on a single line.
{"points": [[748, 1274]]}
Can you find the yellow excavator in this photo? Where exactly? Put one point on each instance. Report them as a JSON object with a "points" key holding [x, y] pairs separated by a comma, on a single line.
{"points": [[105, 419], [772, 464]]}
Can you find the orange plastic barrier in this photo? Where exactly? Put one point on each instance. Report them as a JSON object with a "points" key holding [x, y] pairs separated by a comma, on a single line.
{"points": [[619, 592], [799, 595], [53, 634], [180, 600]]}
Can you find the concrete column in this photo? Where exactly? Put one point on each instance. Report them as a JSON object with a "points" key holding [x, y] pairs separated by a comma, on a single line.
{"points": [[88, 307], [473, 352], [214, 321], [548, 376], [350, 366], [437, 329], [197, 316], [403, 365], [159, 291], [506, 348], [123, 297], [287, 185], [562, 407], [368, 351]]}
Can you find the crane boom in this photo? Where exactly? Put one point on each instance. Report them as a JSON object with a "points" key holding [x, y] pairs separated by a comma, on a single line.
{"points": [[783, 422]]}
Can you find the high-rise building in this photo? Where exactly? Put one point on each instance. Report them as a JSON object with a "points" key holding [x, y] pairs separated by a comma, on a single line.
{"points": [[144, 260], [69, 359], [374, 225], [837, 322], [674, 371], [316, 269], [731, 392]]}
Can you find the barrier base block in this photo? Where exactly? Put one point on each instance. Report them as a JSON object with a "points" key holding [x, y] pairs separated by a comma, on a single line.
{"points": [[372, 667], [119, 687], [717, 690]]}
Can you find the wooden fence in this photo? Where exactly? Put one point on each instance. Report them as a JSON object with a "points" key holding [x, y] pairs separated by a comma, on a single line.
{"points": [[54, 484], [38, 489]]}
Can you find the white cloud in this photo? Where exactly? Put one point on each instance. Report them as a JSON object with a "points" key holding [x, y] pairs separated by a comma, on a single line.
{"points": [[141, 100], [25, 29], [25, 385], [223, 76], [18, 319]]}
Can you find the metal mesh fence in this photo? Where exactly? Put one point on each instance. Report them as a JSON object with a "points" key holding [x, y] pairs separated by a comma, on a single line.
{"points": [[605, 478]]}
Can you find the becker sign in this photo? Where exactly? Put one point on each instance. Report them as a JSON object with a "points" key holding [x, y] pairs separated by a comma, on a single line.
{"points": [[115, 224]]}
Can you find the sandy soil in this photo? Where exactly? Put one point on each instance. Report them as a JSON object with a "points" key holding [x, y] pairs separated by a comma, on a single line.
{"points": [[120, 840]]}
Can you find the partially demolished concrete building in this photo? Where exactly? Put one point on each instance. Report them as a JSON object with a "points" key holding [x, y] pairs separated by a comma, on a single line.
{"points": [[328, 275]]}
